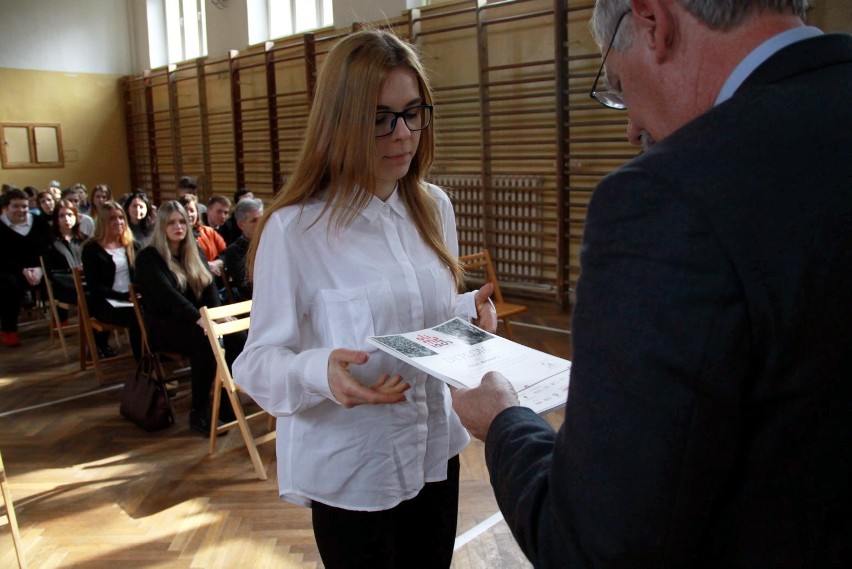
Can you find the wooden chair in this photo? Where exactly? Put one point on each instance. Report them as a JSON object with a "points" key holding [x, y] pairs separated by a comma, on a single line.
{"points": [[224, 379], [482, 261], [88, 326], [177, 364], [10, 513], [53, 310]]}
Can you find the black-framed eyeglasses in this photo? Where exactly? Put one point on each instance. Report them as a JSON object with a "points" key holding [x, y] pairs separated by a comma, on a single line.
{"points": [[609, 97], [415, 118]]}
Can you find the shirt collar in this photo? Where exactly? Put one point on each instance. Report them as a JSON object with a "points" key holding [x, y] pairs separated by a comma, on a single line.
{"points": [[375, 206], [27, 223], [760, 54]]}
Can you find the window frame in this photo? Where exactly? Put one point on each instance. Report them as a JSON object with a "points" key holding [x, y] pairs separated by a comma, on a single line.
{"points": [[33, 143]]}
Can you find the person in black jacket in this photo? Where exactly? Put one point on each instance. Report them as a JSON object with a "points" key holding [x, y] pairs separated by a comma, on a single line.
{"points": [[23, 236], [175, 283], [709, 417], [63, 253], [108, 263], [247, 214]]}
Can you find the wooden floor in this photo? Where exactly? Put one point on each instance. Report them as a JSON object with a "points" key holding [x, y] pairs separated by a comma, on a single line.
{"points": [[92, 490]]}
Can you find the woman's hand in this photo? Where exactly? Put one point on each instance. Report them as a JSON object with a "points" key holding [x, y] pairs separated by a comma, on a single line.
{"points": [[350, 392], [486, 315], [216, 267]]}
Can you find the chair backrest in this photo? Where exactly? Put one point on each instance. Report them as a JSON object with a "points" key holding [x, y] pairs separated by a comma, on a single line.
{"points": [[240, 311], [82, 301], [135, 298], [482, 260]]}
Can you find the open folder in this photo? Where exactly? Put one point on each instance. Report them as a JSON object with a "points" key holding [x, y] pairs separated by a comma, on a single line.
{"points": [[459, 354]]}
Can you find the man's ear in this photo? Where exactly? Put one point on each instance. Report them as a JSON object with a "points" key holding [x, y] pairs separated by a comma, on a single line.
{"points": [[654, 21]]}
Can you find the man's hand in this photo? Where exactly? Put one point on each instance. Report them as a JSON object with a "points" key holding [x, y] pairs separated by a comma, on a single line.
{"points": [[486, 315], [33, 275], [477, 407], [350, 392]]}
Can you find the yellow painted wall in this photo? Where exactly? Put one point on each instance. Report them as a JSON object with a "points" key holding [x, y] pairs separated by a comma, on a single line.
{"points": [[90, 109]]}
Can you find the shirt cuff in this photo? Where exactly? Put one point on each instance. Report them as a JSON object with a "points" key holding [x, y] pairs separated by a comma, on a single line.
{"points": [[315, 372]]}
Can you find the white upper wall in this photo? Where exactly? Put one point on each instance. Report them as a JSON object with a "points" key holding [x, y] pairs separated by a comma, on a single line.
{"points": [[82, 36], [115, 36]]}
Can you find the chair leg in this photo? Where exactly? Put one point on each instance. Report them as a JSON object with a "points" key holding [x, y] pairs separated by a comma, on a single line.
{"points": [[10, 513], [245, 431], [214, 414], [508, 328]]}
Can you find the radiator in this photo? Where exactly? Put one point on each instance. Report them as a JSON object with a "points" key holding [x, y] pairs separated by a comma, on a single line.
{"points": [[516, 227]]}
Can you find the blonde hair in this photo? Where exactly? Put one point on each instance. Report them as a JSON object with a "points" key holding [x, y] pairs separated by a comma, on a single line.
{"points": [[186, 265], [102, 228], [339, 142]]}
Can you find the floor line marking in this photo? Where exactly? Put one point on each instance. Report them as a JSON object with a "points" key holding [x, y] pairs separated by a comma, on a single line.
{"points": [[64, 400], [477, 530], [540, 327]]}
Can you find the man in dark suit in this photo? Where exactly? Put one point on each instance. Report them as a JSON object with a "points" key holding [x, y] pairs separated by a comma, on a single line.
{"points": [[709, 418]]}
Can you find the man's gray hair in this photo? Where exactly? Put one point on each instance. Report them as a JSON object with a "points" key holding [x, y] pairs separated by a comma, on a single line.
{"points": [[715, 14], [246, 206]]}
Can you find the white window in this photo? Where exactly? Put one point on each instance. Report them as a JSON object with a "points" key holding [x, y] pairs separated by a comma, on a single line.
{"points": [[287, 17], [186, 29]]}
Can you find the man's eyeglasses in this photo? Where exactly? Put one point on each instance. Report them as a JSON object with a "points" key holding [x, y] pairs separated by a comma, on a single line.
{"points": [[415, 118], [609, 97]]}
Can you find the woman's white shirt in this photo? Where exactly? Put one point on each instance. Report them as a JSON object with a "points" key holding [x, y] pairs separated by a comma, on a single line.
{"points": [[121, 282], [316, 290]]}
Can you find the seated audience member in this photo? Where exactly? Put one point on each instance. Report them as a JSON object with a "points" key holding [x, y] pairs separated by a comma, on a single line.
{"points": [[87, 224], [175, 284], [108, 263], [83, 192], [189, 185], [23, 236], [140, 217], [64, 252], [55, 189], [46, 204], [210, 242], [218, 218], [100, 194], [247, 213], [32, 200], [241, 194]]}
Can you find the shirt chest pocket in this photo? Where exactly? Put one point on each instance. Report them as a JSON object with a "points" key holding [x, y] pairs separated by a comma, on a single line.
{"points": [[350, 315]]}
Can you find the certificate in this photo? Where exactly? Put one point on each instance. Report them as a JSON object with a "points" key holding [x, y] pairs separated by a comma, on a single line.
{"points": [[459, 354]]}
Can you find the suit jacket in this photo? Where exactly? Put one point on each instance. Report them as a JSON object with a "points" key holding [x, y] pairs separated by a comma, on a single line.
{"points": [[229, 230], [234, 258], [709, 418], [99, 269], [59, 257], [165, 305]]}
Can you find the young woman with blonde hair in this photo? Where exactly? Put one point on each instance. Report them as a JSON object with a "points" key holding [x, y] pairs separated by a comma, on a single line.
{"points": [[175, 283], [109, 258], [358, 244]]}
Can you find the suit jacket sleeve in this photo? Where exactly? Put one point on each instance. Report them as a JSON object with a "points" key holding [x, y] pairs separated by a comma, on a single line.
{"points": [[651, 420], [159, 289]]}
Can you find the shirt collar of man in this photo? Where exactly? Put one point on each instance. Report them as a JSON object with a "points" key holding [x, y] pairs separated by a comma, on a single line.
{"points": [[760, 54], [25, 225]]}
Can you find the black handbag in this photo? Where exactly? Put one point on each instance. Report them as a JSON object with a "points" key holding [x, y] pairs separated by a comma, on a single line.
{"points": [[145, 399]]}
